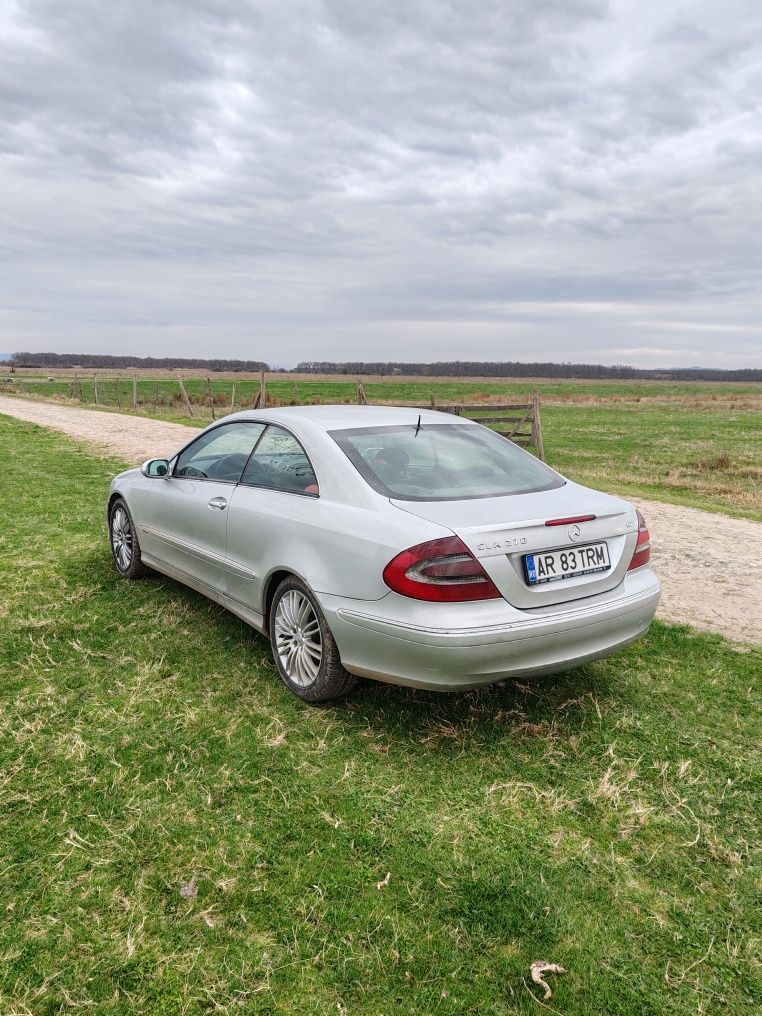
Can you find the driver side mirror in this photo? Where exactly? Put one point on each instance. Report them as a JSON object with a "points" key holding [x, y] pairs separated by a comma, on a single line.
{"points": [[155, 467]]}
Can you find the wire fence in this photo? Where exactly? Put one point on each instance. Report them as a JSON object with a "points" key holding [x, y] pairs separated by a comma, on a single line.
{"points": [[206, 398]]}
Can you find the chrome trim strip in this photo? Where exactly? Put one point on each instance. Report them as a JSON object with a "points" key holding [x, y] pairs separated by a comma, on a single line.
{"points": [[203, 555]]}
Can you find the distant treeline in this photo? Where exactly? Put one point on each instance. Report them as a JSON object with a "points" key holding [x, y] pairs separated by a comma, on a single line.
{"points": [[512, 369], [444, 368], [97, 361]]}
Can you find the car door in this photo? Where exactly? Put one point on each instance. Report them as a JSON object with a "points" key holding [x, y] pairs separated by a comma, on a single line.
{"points": [[185, 518], [270, 506]]}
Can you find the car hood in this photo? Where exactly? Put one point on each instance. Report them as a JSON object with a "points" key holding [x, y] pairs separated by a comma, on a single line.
{"points": [[127, 474]]}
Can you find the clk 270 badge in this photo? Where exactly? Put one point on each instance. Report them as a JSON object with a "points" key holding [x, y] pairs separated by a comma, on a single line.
{"points": [[511, 541]]}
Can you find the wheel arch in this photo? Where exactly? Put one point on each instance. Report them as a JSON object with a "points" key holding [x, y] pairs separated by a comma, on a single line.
{"points": [[272, 582], [115, 495]]}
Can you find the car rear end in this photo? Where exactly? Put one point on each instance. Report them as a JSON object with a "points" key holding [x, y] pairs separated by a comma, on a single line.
{"points": [[524, 584]]}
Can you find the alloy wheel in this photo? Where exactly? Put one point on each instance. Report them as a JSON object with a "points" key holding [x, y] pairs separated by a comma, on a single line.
{"points": [[298, 640], [121, 538]]}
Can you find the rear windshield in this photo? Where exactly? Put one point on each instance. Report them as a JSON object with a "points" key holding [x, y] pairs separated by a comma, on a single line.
{"points": [[443, 462]]}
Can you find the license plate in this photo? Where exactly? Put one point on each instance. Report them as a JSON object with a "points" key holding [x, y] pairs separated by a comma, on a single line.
{"points": [[554, 565]]}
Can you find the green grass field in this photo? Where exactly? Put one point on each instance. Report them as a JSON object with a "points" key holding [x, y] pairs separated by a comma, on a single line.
{"points": [[179, 835], [697, 444], [708, 457], [284, 389]]}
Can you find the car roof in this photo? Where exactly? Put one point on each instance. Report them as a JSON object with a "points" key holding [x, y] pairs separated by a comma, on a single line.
{"points": [[346, 417]]}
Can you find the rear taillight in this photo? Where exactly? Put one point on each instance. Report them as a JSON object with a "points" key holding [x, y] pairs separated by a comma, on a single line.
{"points": [[444, 571], [642, 553]]}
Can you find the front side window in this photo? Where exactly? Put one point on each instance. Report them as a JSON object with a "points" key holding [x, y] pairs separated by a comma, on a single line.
{"points": [[221, 453], [443, 462], [280, 463]]}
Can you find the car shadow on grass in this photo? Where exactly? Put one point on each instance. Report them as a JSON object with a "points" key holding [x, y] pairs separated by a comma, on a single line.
{"points": [[550, 707]]}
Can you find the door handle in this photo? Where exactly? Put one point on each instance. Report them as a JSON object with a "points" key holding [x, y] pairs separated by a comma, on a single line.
{"points": [[218, 502]]}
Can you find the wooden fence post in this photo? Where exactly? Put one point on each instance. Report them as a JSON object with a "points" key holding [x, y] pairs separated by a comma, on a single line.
{"points": [[232, 399], [95, 387], [261, 400], [134, 391], [361, 400], [537, 425], [186, 400], [118, 391], [211, 397]]}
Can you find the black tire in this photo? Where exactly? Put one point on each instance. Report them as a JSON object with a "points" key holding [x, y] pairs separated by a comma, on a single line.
{"points": [[312, 673], [124, 543]]}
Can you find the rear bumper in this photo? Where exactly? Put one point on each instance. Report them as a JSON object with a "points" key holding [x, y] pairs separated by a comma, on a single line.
{"points": [[405, 642]]}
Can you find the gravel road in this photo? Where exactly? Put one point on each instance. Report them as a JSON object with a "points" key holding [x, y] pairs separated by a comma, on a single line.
{"points": [[710, 565]]}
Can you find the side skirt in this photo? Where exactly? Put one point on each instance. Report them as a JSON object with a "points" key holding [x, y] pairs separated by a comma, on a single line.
{"points": [[252, 617]]}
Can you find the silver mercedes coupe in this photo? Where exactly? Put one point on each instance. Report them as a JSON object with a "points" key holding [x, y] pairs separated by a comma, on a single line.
{"points": [[406, 546]]}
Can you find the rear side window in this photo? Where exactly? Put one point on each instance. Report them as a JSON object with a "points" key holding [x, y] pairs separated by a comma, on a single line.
{"points": [[280, 463], [443, 462]]}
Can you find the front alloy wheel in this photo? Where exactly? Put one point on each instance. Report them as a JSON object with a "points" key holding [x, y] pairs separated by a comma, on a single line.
{"points": [[121, 539], [304, 649], [124, 542]]}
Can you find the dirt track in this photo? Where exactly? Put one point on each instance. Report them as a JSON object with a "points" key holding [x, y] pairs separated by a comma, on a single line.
{"points": [[710, 565]]}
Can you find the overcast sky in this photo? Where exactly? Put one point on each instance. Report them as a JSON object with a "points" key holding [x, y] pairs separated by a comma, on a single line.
{"points": [[375, 179]]}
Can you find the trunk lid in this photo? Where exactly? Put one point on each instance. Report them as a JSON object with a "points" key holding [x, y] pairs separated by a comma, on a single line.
{"points": [[500, 531]]}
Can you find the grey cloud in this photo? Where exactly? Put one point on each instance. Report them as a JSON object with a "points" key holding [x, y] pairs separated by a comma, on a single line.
{"points": [[393, 175]]}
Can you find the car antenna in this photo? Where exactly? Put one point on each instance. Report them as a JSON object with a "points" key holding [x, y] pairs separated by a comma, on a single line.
{"points": [[417, 426]]}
